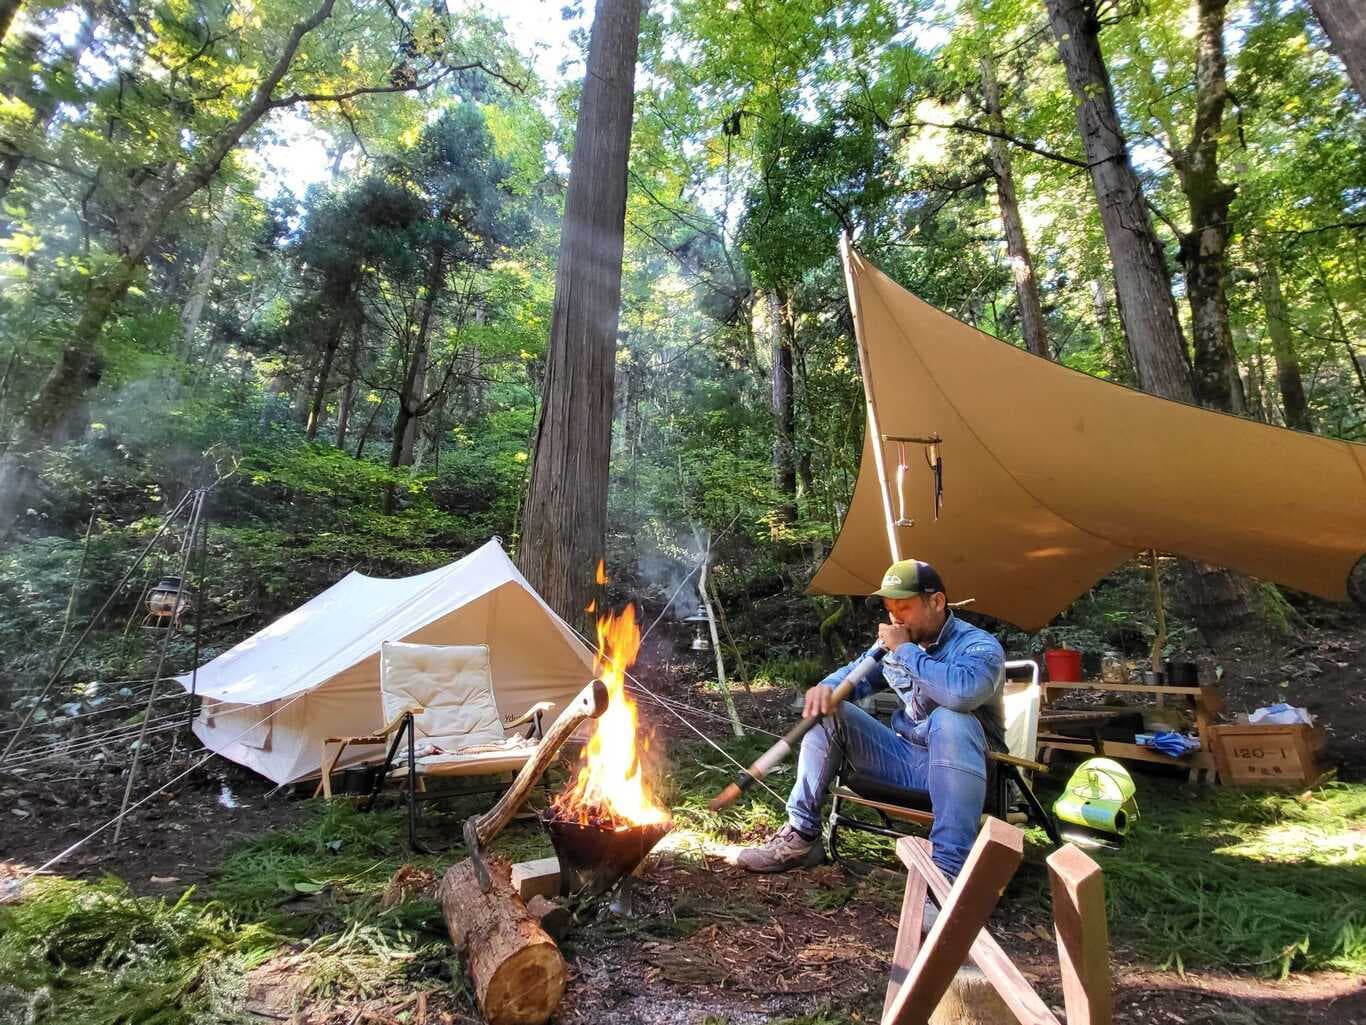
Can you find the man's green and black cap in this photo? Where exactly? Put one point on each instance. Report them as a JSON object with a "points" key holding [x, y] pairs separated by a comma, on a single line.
{"points": [[909, 577]]}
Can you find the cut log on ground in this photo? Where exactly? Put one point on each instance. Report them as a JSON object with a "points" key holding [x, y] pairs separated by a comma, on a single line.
{"points": [[517, 970], [971, 999]]}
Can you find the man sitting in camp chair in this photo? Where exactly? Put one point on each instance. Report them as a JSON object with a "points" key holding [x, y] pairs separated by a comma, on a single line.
{"points": [[950, 677]]}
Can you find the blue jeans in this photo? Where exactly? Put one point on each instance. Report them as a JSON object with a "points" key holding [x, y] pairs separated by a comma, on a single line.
{"points": [[951, 765]]}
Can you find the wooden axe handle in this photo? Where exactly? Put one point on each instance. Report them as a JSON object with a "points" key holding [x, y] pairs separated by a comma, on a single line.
{"points": [[590, 703]]}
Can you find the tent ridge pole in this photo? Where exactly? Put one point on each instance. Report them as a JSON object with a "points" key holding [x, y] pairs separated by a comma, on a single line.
{"points": [[870, 411]]}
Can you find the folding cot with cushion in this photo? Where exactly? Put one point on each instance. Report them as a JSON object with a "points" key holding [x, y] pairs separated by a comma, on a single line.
{"points": [[441, 699], [1005, 770]]}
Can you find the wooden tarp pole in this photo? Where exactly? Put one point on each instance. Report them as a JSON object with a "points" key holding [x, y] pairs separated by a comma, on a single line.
{"points": [[731, 712], [874, 428]]}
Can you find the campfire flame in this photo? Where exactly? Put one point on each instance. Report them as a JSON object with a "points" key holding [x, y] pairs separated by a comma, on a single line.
{"points": [[611, 791]]}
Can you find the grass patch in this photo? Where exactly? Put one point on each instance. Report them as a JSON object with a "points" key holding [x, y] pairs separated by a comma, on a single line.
{"points": [[1263, 882], [792, 673], [99, 955]]}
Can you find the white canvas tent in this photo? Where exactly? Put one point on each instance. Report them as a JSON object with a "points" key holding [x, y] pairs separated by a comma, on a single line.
{"points": [[314, 673]]}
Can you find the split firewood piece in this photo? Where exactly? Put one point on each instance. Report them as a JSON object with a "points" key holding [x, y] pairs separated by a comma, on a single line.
{"points": [[540, 877], [517, 970]]}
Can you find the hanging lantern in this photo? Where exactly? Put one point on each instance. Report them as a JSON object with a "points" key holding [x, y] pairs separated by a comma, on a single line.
{"points": [[166, 602], [698, 620]]}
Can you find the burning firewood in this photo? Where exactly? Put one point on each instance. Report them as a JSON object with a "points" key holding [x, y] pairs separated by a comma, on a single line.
{"points": [[602, 826]]}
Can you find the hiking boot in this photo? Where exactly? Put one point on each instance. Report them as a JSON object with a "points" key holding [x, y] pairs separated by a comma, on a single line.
{"points": [[786, 849]]}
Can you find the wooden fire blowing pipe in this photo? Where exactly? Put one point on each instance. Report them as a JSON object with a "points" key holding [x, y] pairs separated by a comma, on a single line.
{"points": [[765, 763]]}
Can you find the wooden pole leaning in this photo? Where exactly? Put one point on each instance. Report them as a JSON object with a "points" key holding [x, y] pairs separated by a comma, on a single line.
{"points": [[873, 426], [1083, 937]]}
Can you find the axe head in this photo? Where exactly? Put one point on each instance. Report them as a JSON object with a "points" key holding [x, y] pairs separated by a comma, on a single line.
{"points": [[481, 871]]}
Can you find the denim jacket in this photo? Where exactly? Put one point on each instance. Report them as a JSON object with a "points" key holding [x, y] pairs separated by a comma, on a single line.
{"points": [[963, 670]]}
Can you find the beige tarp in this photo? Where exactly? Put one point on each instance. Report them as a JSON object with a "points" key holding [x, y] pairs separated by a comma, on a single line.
{"points": [[1052, 477]]}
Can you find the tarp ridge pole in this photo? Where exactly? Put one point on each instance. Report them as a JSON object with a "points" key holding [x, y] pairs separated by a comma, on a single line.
{"points": [[874, 428]]}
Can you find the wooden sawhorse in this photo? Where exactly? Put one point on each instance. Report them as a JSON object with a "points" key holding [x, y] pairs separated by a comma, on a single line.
{"points": [[922, 972]]}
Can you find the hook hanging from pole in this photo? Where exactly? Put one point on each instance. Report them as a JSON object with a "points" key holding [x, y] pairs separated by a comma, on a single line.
{"points": [[933, 457], [902, 470]]}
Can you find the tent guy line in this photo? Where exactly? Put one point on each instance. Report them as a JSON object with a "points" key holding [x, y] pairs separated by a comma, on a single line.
{"points": [[113, 594], [58, 858], [105, 710], [94, 741]]}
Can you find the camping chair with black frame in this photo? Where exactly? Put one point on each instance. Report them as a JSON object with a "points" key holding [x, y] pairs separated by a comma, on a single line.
{"points": [[899, 807], [440, 700]]}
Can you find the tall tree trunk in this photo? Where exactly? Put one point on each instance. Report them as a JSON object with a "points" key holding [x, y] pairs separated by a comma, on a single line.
{"points": [[1204, 249], [565, 519], [781, 330], [1288, 379], [1142, 286], [412, 393], [334, 326], [348, 395], [805, 486], [8, 9], [1344, 21], [1117, 354], [369, 426], [1017, 247], [193, 309], [418, 397], [1252, 388], [302, 396]]}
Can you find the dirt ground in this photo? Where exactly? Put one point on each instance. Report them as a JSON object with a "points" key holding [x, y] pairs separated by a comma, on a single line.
{"points": [[171, 842], [709, 940]]}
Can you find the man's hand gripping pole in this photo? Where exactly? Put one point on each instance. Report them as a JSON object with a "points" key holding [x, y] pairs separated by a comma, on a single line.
{"points": [[764, 764]]}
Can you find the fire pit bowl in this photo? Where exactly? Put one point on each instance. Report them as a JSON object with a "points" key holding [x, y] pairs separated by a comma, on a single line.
{"points": [[593, 858]]}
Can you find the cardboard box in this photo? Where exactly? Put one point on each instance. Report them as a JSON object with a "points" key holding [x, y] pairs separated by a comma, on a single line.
{"points": [[1267, 755]]}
